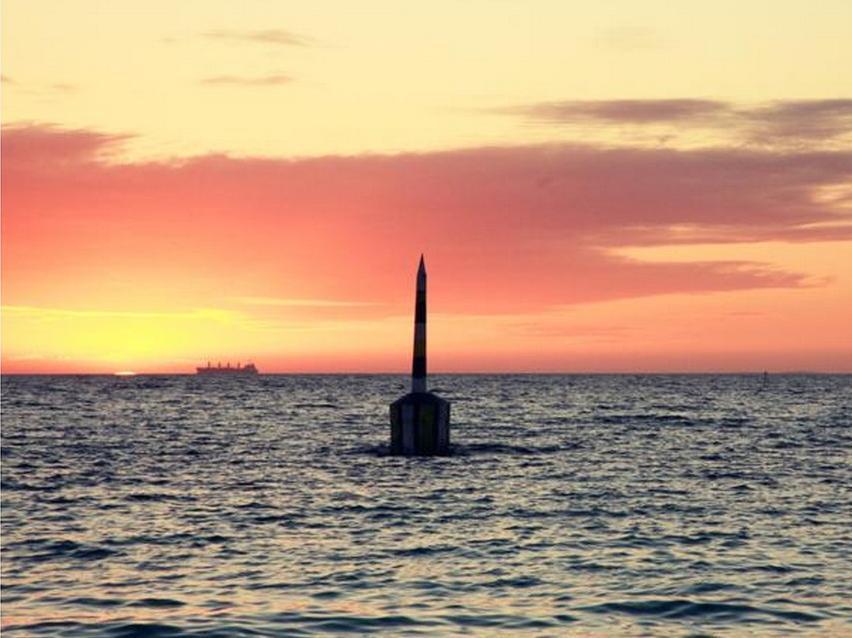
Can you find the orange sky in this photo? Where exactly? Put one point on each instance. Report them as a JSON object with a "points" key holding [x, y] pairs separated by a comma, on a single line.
{"points": [[596, 188]]}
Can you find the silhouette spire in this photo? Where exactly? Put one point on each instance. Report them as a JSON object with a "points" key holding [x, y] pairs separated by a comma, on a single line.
{"points": [[418, 363], [420, 420]]}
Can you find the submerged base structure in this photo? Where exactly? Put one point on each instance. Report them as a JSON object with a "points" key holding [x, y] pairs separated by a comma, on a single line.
{"points": [[420, 420], [420, 425]]}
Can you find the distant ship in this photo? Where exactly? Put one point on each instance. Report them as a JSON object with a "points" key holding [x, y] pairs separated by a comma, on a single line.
{"points": [[249, 368]]}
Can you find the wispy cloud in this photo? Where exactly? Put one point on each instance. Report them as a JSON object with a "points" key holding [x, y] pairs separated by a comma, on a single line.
{"points": [[301, 303], [807, 119], [790, 120], [236, 80], [40, 89], [262, 36], [621, 111]]}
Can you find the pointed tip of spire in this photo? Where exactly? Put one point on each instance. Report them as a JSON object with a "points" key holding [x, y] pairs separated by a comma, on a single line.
{"points": [[422, 263]]}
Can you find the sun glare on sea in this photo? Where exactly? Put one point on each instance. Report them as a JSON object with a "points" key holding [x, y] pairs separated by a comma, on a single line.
{"points": [[124, 373]]}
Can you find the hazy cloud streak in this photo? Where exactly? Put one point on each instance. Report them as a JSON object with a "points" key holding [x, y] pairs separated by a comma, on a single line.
{"points": [[266, 80], [263, 36], [621, 111], [791, 119], [301, 303]]}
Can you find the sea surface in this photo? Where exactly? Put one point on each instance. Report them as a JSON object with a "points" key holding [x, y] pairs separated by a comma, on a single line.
{"points": [[596, 505]]}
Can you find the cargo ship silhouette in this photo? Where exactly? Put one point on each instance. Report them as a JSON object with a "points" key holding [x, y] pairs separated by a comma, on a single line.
{"points": [[249, 368]]}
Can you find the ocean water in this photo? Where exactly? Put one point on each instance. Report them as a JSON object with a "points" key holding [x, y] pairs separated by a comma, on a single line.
{"points": [[161, 506]]}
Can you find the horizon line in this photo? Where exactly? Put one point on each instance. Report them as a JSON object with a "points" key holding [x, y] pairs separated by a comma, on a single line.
{"points": [[469, 373]]}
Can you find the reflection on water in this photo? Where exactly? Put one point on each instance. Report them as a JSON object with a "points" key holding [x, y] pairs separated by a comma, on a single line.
{"points": [[656, 505]]}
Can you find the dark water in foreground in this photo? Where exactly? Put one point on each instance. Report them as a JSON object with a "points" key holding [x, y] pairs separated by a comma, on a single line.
{"points": [[591, 505]]}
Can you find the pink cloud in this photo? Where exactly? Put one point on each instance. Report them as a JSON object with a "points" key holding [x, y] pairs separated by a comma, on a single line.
{"points": [[505, 229], [28, 146]]}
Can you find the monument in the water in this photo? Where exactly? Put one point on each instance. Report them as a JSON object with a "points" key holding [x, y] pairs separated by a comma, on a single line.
{"points": [[420, 420]]}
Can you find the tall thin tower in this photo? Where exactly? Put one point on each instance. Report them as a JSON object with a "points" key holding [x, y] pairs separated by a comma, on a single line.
{"points": [[418, 359], [420, 420]]}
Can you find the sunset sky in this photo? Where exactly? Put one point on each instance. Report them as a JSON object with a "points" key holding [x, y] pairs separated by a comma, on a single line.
{"points": [[597, 186]]}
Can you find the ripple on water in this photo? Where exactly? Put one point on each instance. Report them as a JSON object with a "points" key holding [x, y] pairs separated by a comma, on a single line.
{"points": [[713, 611], [590, 505]]}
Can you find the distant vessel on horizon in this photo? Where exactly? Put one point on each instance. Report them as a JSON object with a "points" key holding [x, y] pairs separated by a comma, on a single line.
{"points": [[249, 368]]}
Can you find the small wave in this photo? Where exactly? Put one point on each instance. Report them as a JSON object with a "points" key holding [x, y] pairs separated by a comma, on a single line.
{"points": [[505, 622], [517, 582], [156, 603], [714, 611], [644, 419], [45, 628], [715, 475], [12, 485], [146, 630], [706, 588], [273, 585], [312, 406], [773, 569], [732, 422], [88, 601], [143, 497], [51, 550], [253, 505], [143, 385], [805, 581], [591, 566], [470, 449], [369, 450], [288, 520], [348, 624], [60, 500], [424, 550]]}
